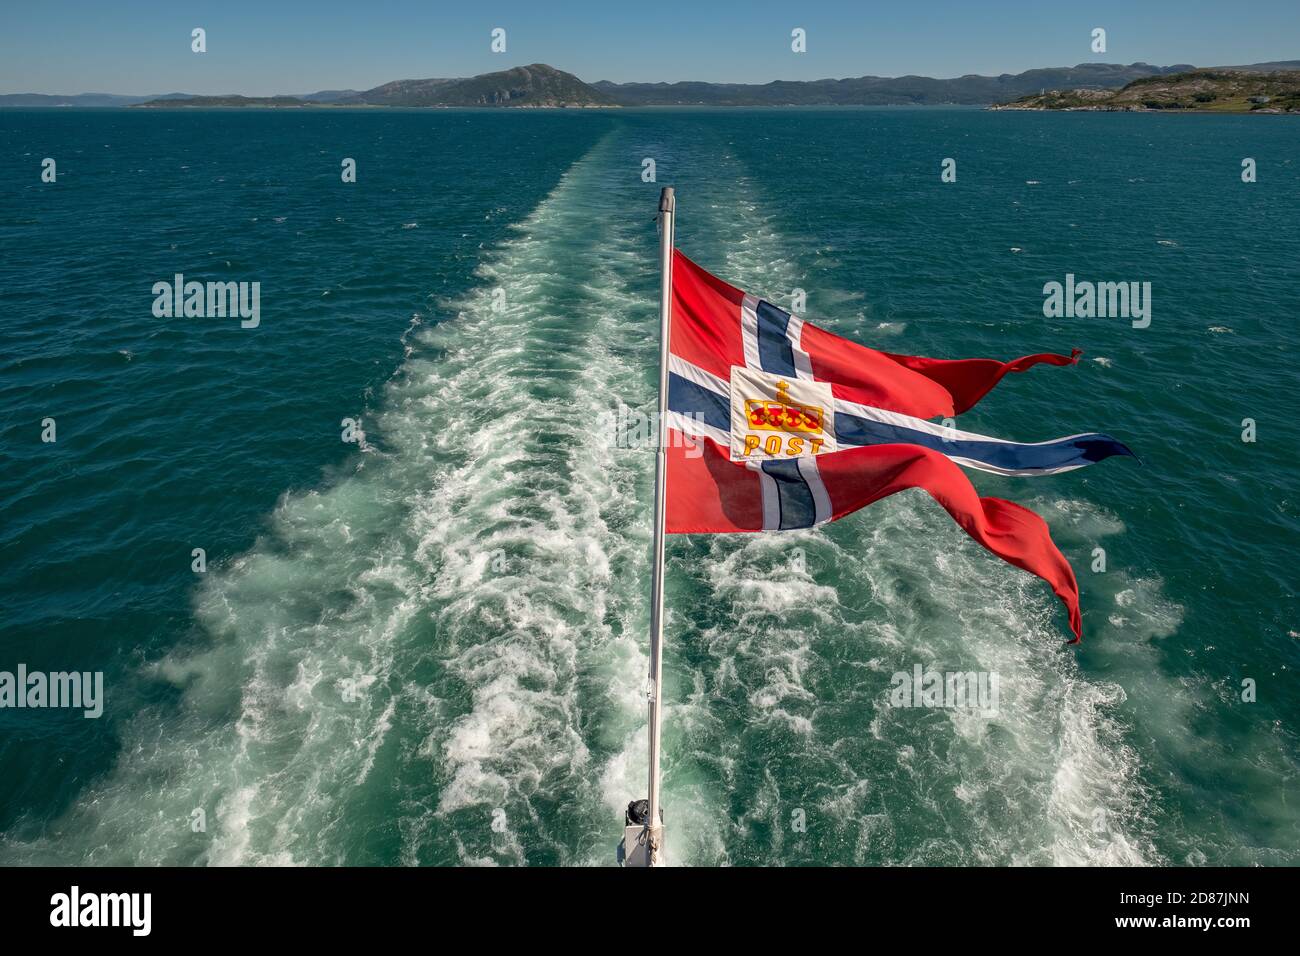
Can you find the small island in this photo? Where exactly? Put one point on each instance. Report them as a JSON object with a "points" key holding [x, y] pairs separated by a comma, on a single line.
{"points": [[224, 101], [1202, 91]]}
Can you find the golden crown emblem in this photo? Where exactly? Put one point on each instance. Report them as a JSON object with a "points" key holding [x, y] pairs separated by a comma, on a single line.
{"points": [[781, 414]]}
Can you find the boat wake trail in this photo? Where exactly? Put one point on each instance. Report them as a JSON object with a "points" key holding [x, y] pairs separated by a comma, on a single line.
{"points": [[431, 660], [440, 657]]}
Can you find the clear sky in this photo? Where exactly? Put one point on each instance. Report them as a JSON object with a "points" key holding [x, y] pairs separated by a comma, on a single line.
{"points": [[286, 46]]}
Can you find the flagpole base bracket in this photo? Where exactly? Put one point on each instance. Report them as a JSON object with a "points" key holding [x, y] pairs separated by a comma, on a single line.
{"points": [[642, 845]]}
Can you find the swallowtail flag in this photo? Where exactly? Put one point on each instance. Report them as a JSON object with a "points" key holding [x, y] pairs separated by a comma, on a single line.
{"points": [[791, 426]]}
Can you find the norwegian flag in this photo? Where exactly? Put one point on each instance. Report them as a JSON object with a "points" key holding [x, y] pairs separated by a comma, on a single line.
{"points": [[800, 427]]}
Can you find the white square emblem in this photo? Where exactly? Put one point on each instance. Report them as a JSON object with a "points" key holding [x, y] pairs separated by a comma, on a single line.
{"points": [[774, 416]]}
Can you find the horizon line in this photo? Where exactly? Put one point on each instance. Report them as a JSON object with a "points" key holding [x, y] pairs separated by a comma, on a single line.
{"points": [[824, 79]]}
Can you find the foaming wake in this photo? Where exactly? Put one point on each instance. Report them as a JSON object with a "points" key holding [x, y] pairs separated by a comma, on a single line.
{"points": [[439, 658], [433, 659]]}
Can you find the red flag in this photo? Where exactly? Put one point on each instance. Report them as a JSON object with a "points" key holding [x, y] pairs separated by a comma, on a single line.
{"points": [[790, 426]]}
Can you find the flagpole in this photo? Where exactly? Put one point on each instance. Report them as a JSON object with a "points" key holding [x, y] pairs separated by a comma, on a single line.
{"points": [[643, 830], [667, 215]]}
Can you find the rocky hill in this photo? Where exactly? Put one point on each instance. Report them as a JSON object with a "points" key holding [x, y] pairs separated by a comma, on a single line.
{"points": [[1214, 91], [534, 85]]}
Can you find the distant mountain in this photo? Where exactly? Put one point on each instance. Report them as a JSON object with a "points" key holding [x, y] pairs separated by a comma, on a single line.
{"points": [[1271, 67], [971, 90], [539, 85], [83, 100], [536, 85], [1214, 91], [401, 93], [233, 100], [533, 85], [326, 96]]}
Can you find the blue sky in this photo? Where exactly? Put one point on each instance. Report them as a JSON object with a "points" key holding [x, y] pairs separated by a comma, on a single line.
{"points": [[130, 46]]}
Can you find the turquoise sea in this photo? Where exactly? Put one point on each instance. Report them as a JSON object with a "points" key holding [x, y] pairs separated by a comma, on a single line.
{"points": [[428, 647]]}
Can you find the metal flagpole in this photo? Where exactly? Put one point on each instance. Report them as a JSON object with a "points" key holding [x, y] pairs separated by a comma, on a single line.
{"points": [[667, 213], [643, 835]]}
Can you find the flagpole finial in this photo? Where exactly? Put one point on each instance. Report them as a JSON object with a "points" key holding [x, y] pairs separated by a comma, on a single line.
{"points": [[667, 200]]}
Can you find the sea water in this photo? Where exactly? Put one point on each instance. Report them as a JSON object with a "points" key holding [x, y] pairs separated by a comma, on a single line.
{"points": [[426, 644]]}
